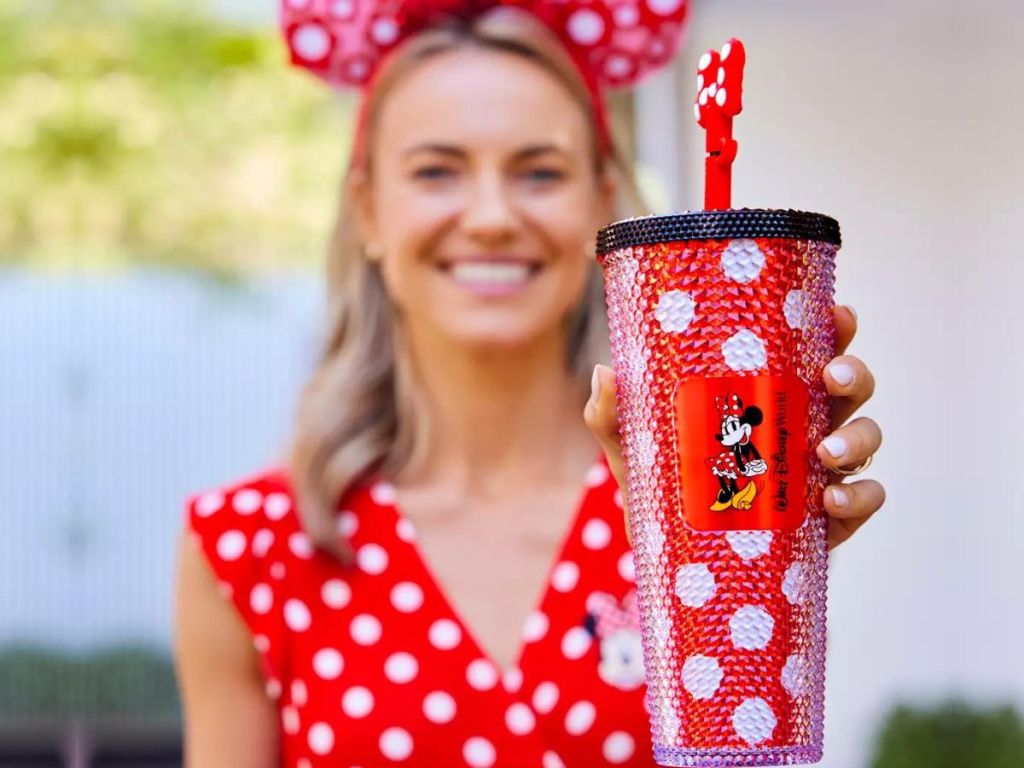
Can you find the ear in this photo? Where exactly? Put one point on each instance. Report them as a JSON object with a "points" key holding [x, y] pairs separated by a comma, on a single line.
{"points": [[358, 192], [753, 416]]}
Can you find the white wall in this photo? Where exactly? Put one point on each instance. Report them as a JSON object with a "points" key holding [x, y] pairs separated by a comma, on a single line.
{"points": [[120, 394], [901, 119]]}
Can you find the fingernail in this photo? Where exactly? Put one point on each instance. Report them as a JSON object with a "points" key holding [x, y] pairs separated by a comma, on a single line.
{"points": [[841, 373], [834, 445], [852, 311], [839, 497], [595, 386]]}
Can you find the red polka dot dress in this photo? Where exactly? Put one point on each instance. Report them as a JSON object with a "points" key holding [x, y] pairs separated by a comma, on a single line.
{"points": [[370, 665]]}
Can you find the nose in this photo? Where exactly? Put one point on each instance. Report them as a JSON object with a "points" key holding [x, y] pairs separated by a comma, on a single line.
{"points": [[490, 214]]}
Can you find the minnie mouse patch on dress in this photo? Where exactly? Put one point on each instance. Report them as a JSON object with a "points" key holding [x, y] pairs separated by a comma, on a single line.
{"points": [[617, 627]]}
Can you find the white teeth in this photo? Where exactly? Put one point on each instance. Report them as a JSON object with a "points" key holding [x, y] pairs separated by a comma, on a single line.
{"points": [[491, 274]]}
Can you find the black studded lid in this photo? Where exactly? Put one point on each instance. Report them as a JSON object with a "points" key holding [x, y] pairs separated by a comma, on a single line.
{"points": [[718, 225]]}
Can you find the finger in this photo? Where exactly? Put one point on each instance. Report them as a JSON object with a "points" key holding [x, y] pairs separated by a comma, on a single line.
{"points": [[845, 319], [849, 506], [851, 385], [601, 416], [850, 445]]}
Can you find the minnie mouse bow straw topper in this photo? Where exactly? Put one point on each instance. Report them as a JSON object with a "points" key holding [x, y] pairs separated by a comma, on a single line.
{"points": [[721, 323], [719, 100]]}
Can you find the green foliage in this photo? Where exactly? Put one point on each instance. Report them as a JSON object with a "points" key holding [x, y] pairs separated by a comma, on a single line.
{"points": [[951, 735], [156, 132], [123, 682]]}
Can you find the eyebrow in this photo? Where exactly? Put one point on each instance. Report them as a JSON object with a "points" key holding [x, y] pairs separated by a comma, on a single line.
{"points": [[449, 149]]}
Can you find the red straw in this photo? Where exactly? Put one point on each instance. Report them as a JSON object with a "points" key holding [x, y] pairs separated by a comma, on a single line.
{"points": [[719, 100]]}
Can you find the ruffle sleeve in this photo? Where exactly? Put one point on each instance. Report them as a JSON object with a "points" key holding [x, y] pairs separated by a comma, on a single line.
{"points": [[239, 529]]}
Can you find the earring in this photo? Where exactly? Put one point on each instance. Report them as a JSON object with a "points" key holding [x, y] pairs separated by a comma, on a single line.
{"points": [[373, 251]]}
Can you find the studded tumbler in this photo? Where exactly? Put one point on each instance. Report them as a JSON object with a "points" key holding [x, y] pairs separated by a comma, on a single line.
{"points": [[721, 324]]}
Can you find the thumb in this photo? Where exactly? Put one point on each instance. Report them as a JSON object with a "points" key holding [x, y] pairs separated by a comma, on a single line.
{"points": [[602, 418]]}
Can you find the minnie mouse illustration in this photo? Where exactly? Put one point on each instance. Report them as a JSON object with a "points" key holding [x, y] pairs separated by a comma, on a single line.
{"points": [[741, 456]]}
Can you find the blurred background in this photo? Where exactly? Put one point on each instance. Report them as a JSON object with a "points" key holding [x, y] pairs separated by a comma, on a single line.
{"points": [[167, 185]]}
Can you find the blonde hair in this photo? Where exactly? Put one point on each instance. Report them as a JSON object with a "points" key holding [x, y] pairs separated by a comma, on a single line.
{"points": [[357, 415]]}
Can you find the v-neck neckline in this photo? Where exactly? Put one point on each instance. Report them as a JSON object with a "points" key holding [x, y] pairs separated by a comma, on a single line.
{"points": [[454, 613]]}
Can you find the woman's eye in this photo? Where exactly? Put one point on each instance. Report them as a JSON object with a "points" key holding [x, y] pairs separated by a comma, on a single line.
{"points": [[432, 172], [545, 174]]}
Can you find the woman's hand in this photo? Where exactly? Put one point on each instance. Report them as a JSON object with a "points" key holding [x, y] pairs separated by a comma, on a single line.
{"points": [[849, 382]]}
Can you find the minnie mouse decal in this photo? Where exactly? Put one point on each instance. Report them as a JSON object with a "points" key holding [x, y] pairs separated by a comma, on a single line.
{"points": [[617, 627], [740, 457]]}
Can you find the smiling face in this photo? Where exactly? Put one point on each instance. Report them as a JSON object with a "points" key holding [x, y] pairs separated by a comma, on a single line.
{"points": [[734, 431], [484, 196]]}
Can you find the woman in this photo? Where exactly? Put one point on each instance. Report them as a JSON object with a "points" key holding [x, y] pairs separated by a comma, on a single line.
{"points": [[383, 587]]}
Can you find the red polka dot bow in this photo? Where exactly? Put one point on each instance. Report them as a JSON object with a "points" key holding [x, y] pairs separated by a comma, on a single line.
{"points": [[610, 615], [615, 42], [730, 405]]}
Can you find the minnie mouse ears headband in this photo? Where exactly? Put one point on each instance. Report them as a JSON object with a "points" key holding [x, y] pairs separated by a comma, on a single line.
{"points": [[613, 42], [616, 41]]}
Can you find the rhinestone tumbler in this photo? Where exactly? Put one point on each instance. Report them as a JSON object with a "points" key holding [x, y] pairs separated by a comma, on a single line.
{"points": [[721, 324]]}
